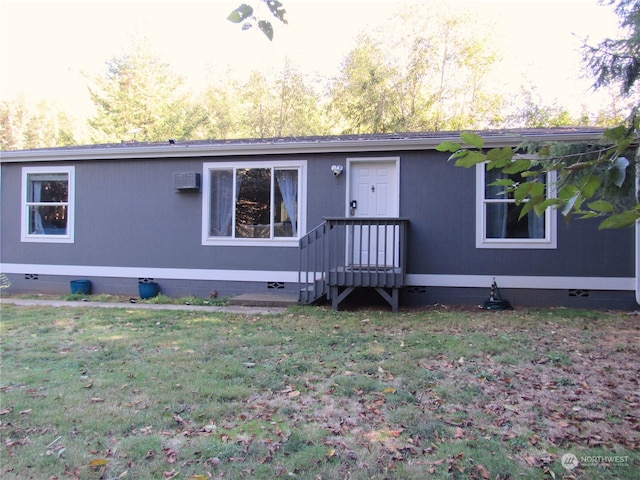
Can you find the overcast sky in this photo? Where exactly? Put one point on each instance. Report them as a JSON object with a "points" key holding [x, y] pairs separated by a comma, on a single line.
{"points": [[47, 47]]}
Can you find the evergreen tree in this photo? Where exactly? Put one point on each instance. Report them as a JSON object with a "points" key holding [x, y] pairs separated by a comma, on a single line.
{"points": [[140, 98], [617, 60], [25, 126]]}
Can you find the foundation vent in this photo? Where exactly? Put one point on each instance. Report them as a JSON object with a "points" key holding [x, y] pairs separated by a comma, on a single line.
{"points": [[579, 293], [416, 289]]}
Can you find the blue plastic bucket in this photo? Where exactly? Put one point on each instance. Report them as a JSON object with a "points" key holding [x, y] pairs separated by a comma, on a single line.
{"points": [[81, 287], [148, 289]]}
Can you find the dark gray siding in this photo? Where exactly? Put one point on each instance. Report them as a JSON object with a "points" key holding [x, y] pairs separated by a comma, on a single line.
{"points": [[128, 214], [439, 199]]}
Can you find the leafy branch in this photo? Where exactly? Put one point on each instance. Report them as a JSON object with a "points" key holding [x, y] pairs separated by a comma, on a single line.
{"points": [[247, 16], [593, 180]]}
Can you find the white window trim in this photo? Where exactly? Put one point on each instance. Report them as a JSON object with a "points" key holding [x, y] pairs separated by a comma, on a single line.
{"points": [[25, 236], [301, 165], [551, 232]]}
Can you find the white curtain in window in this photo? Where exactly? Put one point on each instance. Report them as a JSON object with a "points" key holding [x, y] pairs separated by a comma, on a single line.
{"points": [[496, 211], [536, 225], [288, 183], [37, 218], [222, 203]]}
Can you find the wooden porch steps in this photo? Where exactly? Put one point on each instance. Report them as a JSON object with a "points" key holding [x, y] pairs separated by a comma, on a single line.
{"points": [[345, 253], [264, 300]]}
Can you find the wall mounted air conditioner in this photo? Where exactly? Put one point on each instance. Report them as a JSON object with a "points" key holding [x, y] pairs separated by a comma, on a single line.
{"points": [[186, 181]]}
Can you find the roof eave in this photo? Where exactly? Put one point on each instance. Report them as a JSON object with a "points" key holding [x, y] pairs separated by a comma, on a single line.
{"points": [[186, 149]]}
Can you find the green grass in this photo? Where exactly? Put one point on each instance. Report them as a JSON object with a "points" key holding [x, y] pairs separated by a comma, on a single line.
{"points": [[314, 393]]}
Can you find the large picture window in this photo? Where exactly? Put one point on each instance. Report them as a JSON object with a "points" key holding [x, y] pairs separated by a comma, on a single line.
{"points": [[252, 203], [47, 204], [498, 222]]}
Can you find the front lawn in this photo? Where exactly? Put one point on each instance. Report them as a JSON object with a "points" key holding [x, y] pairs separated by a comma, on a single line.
{"points": [[94, 393]]}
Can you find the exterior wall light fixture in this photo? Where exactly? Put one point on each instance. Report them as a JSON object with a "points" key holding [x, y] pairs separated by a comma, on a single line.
{"points": [[337, 170]]}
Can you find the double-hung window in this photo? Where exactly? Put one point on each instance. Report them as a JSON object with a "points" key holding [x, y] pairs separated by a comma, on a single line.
{"points": [[48, 204], [253, 203], [498, 222]]}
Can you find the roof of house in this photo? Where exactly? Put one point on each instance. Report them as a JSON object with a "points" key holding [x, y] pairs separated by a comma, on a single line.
{"points": [[380, 142]]}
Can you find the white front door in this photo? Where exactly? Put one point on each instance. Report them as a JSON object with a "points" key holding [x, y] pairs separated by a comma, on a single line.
{"points": [[373, 193]]}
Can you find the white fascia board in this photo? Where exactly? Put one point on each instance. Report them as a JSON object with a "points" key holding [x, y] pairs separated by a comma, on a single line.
{"points": [[188, 150]]}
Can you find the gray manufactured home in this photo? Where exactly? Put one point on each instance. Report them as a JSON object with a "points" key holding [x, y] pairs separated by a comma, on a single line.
{"points": [[316, 217]]}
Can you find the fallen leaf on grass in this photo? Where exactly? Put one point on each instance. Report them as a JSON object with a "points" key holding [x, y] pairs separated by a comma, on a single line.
{"points": [[171, 474], [98, 462], [197, 477], [484, 472], [453, 463], [97, 400], [72, 472], [170, 454], [294, 394], [178, 419]]}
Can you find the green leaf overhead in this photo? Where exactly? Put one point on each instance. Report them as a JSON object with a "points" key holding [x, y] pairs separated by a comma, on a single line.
{"points": [[615, 133], [528, 189], [530, 207], [499, 157], [542, 206], [266, 28], [503, 182], [590, 185], [624, 219], [517, 166], [277, 9], [601, 206], [472, 139], [470, 159], [448, 146], [246, 15], [241, 13]]}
